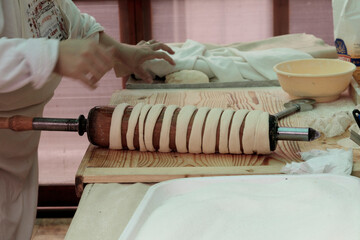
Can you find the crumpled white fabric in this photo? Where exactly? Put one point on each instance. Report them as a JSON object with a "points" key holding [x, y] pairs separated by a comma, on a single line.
{"points": [[227, 64], [335, 161]]}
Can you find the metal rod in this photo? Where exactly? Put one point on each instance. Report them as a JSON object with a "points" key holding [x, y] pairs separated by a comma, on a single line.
{"points": [[287, 111], [60, 124], [297, 134], [355, 137]]}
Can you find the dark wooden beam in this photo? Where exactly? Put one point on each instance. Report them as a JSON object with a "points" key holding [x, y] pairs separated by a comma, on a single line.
{"points": [[281, 17], [143, 20], [135, 20], [57, 201], [57, 196], [127, 21]]}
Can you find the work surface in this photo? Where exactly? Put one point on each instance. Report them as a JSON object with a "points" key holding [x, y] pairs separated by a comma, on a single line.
{"points": [[101, 165]]}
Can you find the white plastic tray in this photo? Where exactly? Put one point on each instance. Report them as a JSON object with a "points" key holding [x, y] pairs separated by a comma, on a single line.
{"points": [[158, 194]]}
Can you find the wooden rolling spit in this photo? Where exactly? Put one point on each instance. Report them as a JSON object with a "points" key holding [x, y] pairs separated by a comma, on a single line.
{"points": [[97, 127]]}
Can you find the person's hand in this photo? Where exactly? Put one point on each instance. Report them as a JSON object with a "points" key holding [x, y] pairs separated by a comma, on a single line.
{"points": [[85, 60], [133, 56]]}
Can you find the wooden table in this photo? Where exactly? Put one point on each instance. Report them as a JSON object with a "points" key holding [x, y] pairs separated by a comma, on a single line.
{"points": [[101, 165], [105, 209]]}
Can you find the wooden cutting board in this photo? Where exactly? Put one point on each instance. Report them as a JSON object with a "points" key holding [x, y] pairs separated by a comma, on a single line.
{"points": [[101, 165]]}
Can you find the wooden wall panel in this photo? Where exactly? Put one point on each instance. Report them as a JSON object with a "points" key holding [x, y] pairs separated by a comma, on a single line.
{"points": [[313, 17], [212, 21]]}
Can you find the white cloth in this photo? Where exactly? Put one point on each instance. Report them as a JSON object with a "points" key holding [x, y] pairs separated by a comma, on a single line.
{"points": [[26, 85], [312, 207], [334, 161], [227, 64]]}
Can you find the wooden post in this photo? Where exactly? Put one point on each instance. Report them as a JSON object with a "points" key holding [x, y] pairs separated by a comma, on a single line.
{"points": [[281, 17], [135, 23], [127, 21], [135, 20], [143, 20]]}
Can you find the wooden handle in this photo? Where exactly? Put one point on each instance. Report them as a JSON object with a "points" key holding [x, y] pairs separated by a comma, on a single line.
{"points": [[99, 121], [16, 123]]}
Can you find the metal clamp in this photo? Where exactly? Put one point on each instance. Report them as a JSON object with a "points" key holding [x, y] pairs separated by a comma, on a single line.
{"points": [[296, 105]]}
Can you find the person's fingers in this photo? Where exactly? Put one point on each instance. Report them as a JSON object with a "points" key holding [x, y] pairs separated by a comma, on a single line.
{"points": [[142, 42], [141, 73], [158, 46], [91, 60], [99, 64], [95, 74], [93, 83], [152, 41], [111, 51], [87, 80], [105, 56], [84, 60], [159, 55], [97, 68], [94, 66], [102, 66]]}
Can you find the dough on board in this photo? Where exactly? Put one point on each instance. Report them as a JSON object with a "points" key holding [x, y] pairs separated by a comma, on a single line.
{"points": [[165, 128], [144, 111], [115, 127], [209, 132], [133, 120], [182, 124], [150, 123], [234, 137], [187, 76], [195, 140], [225, 122]]}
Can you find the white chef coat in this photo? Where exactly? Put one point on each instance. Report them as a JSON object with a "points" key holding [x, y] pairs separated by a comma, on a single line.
{"points": [[30, 31]]}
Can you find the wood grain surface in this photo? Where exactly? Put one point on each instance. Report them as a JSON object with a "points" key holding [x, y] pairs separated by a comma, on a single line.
{"points": [[104, 165]]}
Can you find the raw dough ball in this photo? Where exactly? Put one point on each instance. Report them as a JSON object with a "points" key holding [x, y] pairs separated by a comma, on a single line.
{"points": [[187, 76]]}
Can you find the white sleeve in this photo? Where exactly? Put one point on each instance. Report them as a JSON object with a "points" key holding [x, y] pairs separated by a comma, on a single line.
{"points": [[81, 25], [24, 61]]}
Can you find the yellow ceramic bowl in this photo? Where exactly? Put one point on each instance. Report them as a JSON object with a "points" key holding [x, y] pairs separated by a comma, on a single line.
{"points": [[321, 79]]}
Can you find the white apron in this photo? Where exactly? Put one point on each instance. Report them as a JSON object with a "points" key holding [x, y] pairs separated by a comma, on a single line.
{"points": [[19, 165], [18, 150], [26, 85]]}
